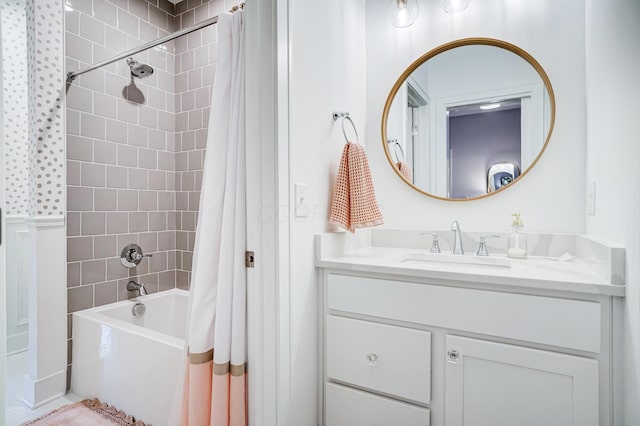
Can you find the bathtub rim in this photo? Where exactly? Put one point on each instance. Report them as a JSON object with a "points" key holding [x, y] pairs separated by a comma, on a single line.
{"points": [[95, 314]]}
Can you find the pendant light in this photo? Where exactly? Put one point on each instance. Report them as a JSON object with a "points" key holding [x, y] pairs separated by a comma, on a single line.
{"points": [[403, 13], [454, 6]]}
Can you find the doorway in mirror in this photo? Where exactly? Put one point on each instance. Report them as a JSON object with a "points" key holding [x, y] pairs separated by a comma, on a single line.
{"points": [[479, 137]]}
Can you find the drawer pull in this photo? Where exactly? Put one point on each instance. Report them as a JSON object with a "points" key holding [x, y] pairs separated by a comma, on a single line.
{"points": [[372, 359], [453, 356]]}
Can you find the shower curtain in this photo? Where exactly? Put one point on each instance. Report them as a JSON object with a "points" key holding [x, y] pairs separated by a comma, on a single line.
{"points": [[214, 388]]}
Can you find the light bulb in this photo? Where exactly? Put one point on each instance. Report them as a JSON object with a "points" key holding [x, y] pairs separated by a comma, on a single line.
{"points": [[403, 13], [490, 106], [454, 6]]}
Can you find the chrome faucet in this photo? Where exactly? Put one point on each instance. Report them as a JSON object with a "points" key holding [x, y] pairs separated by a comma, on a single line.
{"points": [[457, 238], [134, 286]]}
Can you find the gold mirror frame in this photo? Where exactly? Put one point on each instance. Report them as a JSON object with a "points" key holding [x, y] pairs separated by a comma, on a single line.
{"points": [[452, 45]]}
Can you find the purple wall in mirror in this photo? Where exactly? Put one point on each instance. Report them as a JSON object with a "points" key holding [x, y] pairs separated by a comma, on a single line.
{"points": [[476, 142]]}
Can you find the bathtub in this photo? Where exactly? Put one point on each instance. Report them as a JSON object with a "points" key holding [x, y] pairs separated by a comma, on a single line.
{"points": [[131, 363]]}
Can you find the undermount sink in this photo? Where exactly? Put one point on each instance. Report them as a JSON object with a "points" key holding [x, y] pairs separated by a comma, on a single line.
{"points": [[471, 260]]}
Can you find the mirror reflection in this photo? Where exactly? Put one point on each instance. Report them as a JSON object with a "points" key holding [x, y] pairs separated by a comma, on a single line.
{"points": [[469, 119]]}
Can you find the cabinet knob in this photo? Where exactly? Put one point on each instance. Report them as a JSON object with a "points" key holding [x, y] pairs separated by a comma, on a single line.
{"points": [[372, 359], [453, 356]]}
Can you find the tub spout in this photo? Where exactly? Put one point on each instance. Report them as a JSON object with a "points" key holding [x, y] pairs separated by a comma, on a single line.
{"points": [[139, 287]]}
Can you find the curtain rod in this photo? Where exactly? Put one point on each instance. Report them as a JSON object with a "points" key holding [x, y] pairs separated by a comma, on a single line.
{"points": [[72, 75]]}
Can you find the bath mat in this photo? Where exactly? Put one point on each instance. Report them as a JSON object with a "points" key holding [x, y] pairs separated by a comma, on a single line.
{"points": [[84, 413]]}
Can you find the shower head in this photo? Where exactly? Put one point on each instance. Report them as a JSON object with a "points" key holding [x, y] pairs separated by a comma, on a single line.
{"points": [[139, 70]]}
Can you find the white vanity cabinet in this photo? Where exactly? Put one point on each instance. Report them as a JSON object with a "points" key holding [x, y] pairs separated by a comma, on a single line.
{"points": [[405, 351]]}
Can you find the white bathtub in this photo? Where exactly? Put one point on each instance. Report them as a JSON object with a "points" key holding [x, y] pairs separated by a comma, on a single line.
{"points": [[131, 363]]}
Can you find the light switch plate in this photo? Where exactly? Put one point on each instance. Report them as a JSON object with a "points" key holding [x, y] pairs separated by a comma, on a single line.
{"points": [[300, 195], [591, 199]]}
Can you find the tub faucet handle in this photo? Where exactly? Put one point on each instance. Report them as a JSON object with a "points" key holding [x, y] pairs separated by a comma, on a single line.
{"points": [[132, 255], [135, 255]]}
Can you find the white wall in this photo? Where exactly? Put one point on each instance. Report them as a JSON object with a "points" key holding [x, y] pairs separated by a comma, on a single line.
{"points": [[326, 73], [613, 153], [551, 196], [472, 70]]}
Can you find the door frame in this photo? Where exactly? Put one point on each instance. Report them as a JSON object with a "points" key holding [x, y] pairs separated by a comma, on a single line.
{"points": [[422, 146], [3, 269], [267, 79]]}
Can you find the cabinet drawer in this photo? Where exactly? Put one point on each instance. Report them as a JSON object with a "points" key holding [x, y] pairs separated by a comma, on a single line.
{"points": [[350, 407], [384, 358], [547, 320]]}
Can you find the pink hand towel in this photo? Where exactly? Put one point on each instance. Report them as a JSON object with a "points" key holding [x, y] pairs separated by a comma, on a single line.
{"points": [[353, 204], [404, 170]]}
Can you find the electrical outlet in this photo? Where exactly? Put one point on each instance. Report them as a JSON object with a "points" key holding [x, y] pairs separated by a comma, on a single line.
{"points": [[300, 195], [591, 199]]}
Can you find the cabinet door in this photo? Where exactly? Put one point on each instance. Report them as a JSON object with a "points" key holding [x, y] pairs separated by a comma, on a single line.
{"points": [[493, 384]]}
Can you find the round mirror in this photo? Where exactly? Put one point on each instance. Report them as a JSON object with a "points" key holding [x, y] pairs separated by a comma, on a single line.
{"points": [[468, 119]]}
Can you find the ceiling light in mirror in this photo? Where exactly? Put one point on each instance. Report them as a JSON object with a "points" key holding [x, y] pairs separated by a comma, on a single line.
{"points": [[454, 6], [490, 106], [403, 13]]}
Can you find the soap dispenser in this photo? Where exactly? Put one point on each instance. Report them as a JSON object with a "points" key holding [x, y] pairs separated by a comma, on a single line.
{"points": [[517, 240]]}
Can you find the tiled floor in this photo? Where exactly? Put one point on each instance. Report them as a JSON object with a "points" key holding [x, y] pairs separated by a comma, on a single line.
{"points": [[16, 412]]}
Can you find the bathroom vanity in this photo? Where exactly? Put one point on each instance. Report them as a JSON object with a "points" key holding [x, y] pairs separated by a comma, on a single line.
{"points": [[411, 338]]}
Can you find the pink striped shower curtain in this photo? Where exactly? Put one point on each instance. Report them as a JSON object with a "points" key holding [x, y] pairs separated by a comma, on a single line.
{"points": [[213, 391]]}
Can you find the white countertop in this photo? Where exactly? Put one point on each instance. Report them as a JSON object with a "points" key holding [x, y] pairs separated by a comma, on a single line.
{"points": [[574, 276]]}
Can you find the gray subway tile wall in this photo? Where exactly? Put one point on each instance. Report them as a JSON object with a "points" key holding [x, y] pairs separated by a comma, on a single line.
{"points": [[135, 147]]}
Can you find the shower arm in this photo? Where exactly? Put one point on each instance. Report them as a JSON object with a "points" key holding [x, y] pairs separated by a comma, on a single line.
{"points": [[71, 75]]}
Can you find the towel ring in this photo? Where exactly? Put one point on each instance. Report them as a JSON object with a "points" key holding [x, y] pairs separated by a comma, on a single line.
{"points": [[344, 132]]}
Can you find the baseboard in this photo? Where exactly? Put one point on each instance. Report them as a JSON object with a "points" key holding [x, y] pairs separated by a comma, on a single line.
{"points": [[37, 393]]}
